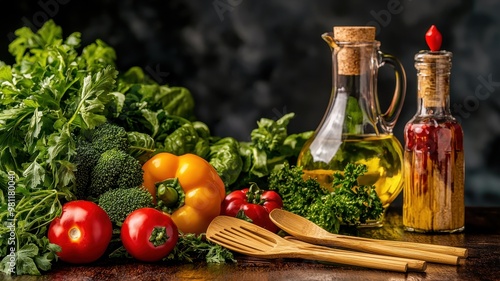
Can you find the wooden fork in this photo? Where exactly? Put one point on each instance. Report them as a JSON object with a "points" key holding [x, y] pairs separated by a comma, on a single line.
{"points": [[249, 239]]}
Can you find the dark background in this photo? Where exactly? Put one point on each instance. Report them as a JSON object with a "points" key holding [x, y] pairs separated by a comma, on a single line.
{"points": [[243, 60]]}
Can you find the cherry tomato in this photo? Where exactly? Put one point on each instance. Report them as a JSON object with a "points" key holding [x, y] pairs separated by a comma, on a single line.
{"points": [[83, 231], [149, 235]]}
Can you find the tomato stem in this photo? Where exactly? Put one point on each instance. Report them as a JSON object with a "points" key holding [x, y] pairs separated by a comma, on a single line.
{"points": [[158, 236]]}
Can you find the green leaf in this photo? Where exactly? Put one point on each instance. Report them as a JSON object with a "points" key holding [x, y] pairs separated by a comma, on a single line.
{"points": [[176, 101], [6, 267], [152, 120], [118, 103], [50, 34], [65, 172], [73, 40], [225, 158], [28, 250], [34, 175], [35, 127], [270, 134], [26, 266], [44, 262], [5, 73], [140, 144], [60, 143], [10, 122], [98, 56], [93, 96], [354, 117]]}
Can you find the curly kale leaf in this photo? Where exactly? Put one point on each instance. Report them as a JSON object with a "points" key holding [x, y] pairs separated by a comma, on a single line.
{"points": [[348, 203], [297, 194]]}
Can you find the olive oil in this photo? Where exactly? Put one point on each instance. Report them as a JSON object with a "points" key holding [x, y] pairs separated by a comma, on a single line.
{"points": [[382, 155]]}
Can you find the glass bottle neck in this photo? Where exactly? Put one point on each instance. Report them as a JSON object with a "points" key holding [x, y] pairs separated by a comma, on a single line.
{"points": [[426, 109], [433, 72]]}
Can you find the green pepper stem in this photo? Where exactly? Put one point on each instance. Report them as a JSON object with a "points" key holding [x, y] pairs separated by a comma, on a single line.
{"points": [[254, 194], [170, 195], [167, 194]]}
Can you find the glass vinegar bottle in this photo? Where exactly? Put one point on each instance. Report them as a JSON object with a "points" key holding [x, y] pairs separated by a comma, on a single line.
{"points": [[433, 193]]}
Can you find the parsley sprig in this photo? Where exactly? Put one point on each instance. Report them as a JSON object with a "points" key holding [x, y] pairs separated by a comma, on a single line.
{"points": [[348, 203]]}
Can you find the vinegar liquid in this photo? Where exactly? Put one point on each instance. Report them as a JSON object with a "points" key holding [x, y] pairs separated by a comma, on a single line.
{"points": [[382, 155], [434, 177]]}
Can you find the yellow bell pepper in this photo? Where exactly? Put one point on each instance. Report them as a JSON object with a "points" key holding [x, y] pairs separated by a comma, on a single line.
{"points": [[187, 187]]}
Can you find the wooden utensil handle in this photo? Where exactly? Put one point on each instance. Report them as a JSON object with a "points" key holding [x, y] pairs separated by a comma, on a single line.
{"points": [[447, 250], [377, 248], [413, 265], [348, 259]]}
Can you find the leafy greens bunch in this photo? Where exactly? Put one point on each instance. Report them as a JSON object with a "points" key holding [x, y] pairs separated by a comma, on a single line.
{"points": [[50, 93], [56, 92], [166, 114]]}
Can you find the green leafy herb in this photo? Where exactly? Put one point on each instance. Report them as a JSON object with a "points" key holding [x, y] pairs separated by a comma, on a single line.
{"points": [[271, 146], [48, 95], [348, 203], [191, 247], [25, 248]]}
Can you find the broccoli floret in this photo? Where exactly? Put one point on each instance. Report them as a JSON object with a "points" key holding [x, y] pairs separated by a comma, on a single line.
{"points": [[108, 136], [85, 160], [119, 203], [115, 169]]}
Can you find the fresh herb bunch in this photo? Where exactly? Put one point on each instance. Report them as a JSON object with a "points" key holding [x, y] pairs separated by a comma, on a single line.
{"points": [[24, 224], [269, 148], [191, 247], [348, 203], [48, 95]]}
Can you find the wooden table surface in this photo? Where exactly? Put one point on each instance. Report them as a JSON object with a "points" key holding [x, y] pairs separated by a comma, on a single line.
{"points": [[481, 237]]}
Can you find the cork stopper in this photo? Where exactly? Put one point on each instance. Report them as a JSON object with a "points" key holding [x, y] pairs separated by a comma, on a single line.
{"points": [[433, 71], [357, 50], [354, 33]]}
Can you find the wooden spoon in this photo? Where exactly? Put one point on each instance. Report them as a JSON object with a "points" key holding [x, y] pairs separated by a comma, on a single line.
{"points": [[308, 231], [414, 265], [249, 239]]}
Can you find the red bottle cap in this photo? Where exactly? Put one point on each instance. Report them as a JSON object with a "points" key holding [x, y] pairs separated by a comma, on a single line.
{"points": [[433, 38]]}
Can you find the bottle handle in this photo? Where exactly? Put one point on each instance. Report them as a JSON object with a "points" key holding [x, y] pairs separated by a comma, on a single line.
{"points": [[389, 118]]}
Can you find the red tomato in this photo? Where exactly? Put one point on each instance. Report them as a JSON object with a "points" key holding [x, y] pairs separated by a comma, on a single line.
{"points": [[149, 235], [83, 231]]}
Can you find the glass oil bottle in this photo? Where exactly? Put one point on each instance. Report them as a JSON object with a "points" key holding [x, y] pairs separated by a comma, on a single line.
{"points": [[353, 128]]}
